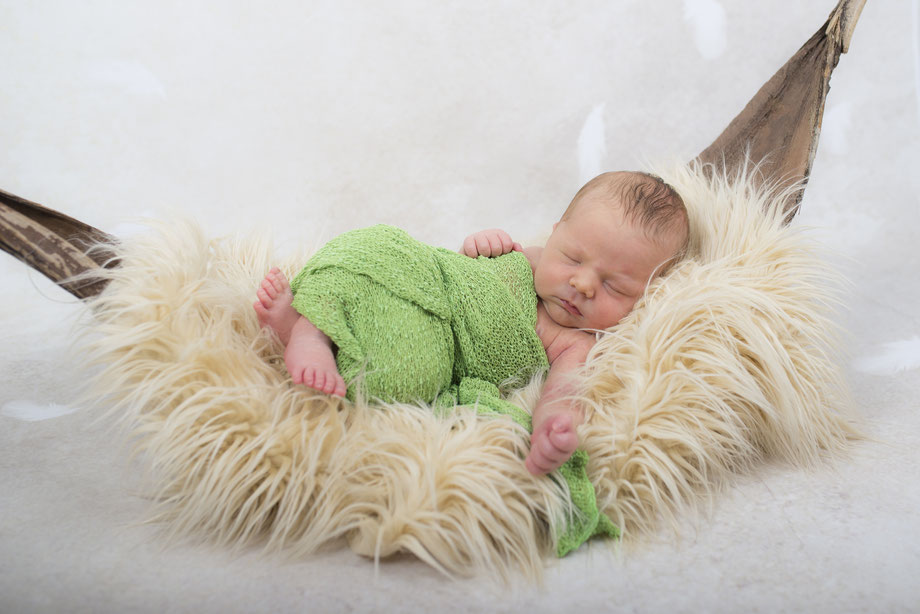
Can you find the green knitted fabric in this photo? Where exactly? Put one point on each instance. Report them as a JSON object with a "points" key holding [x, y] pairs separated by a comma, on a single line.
{"points": [[412, 322], [586, 520]]}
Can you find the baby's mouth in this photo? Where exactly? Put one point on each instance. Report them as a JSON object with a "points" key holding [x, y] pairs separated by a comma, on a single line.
{"points": [[572, 309]]}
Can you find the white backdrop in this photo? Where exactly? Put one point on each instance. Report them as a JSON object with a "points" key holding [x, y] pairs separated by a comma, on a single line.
{"points": [[313, 117]]}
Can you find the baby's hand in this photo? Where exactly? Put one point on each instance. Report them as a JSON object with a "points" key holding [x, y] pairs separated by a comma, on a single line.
{"points": [[551, 444], [489, 243]]}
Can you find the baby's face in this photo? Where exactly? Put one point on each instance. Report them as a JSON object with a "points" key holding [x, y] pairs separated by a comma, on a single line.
{"points": [[596, 265]]}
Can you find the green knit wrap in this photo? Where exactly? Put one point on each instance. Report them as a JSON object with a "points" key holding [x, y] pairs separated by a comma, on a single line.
{"points": [[414, 322]]}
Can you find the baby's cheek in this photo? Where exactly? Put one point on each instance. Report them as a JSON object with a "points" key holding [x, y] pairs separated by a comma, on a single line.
{"points": [[629, 306], [621, 309]]}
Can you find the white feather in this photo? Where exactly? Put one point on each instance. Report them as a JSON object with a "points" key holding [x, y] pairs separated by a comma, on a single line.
{"points": [[891, 358], [592, 145], [31, 411], [707, 19]]}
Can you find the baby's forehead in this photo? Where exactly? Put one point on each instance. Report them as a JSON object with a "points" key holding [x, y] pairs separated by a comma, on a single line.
{"points": [[614, 190], [602, 206], [601, 214], [599, 218]]}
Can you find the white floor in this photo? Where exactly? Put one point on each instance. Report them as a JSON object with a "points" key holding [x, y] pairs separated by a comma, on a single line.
{"points": [[444, 119]]}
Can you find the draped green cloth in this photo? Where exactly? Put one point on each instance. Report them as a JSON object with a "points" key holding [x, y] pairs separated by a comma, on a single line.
{"points": [[412, 322]]}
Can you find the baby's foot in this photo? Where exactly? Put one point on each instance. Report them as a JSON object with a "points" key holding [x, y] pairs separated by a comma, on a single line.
{"points": [[310, 361], [551, 444], [274, 305]]}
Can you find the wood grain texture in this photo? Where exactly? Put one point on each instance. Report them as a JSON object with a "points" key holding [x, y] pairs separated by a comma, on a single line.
{"points": [[781, 125], [54, 244]]}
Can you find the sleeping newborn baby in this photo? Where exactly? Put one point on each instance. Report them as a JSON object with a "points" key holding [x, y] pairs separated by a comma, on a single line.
{"points": [[404, 321]]}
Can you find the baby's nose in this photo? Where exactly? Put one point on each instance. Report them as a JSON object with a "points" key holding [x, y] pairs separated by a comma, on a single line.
{"points": [[582, 285]]}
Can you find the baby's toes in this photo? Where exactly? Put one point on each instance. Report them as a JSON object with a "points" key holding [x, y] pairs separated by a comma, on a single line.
{"points": [[279, 280], [297, 375], [264, 298], [324, 382], [272, 278], [329, 384], [314, 379], [339, 388], [332, 383], [269, 287]]}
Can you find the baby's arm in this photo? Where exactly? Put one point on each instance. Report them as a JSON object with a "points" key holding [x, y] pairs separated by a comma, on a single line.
{"points": [[556, 416], [490, 243]]}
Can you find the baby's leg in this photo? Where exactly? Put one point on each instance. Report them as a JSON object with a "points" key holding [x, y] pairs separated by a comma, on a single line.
{"points": [[310, 360], [274, 305], [553, 441], [308, 353]]}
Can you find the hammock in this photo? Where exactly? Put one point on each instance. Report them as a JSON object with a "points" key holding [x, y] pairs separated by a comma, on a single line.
{"points": [[726, 361]]}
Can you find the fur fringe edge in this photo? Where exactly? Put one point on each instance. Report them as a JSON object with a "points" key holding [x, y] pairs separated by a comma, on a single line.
{"points": [[728, 360]]}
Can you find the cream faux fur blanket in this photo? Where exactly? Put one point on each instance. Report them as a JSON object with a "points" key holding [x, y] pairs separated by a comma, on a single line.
{"points": [[726, 362]]}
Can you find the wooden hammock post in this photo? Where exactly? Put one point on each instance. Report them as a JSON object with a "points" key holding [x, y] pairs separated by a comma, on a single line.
{"points": [[54, 244], [779, 126]]}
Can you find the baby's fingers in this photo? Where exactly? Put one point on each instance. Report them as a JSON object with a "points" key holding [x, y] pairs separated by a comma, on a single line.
{"points": [[505, 243], [489, 243], [539, 463], [469, 247], [500, 242], [484, 245]]}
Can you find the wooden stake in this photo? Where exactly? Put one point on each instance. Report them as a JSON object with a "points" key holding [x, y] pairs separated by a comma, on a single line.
{"points": [[781, 124], [53, 244]]}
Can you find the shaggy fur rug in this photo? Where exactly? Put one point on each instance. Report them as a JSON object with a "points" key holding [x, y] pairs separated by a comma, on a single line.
{"points": [[726, 362]]}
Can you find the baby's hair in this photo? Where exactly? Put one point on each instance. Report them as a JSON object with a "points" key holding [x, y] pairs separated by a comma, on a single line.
{"points": [[647, 200]]}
